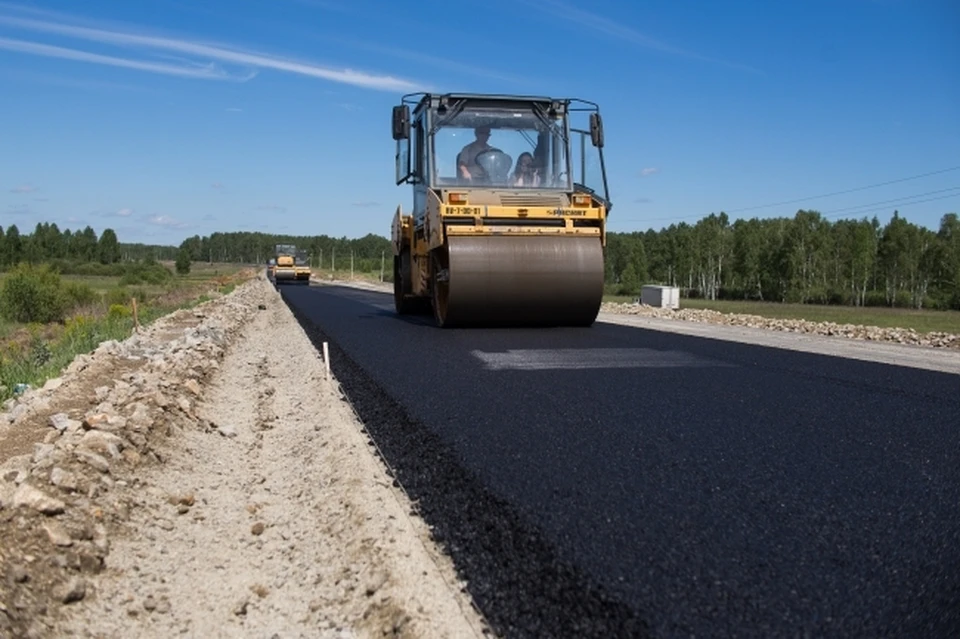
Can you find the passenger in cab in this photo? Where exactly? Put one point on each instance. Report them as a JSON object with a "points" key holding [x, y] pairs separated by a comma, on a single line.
{"points": [[526, 172]]}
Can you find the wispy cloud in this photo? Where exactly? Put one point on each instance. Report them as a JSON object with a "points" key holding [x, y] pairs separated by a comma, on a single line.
{"points": [[217, 185], [208, 69], [612, 28], [34, 77], [125, 212], [209, 217], [649, 171], [210, 72], [19, 210], [167, 222], [422, 58], [23, 188], [272, 208]]}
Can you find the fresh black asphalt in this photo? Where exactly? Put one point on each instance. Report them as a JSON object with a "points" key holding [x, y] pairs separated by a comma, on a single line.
{"points": [[692, 487]]}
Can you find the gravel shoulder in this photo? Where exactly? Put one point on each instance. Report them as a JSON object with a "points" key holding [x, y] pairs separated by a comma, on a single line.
{"points": [[205, 478]]}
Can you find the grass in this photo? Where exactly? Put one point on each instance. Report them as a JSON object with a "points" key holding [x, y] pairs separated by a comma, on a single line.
{"points": [[344, 274], [922, 321], [34, 353]]}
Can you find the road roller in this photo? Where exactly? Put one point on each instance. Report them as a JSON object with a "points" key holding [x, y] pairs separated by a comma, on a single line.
{"points": [[510, 202], [290, 265]]}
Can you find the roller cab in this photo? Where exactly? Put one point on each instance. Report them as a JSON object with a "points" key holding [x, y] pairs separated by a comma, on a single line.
{"points": [[510, 202]]}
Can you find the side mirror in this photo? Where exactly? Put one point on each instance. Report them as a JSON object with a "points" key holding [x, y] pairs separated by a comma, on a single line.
{"points": [[596, 130], [401, 122]]}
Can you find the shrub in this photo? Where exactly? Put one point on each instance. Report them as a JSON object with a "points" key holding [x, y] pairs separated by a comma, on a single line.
{"points": [[183, 261], [119, 311], [78, 294], [145, 273], [33, 293]]}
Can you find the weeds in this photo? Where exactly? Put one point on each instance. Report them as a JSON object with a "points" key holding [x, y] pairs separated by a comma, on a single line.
{"points": [[34, 351]]}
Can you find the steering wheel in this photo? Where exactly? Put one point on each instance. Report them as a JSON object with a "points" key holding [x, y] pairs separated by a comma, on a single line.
{"points": [[495, 164]]}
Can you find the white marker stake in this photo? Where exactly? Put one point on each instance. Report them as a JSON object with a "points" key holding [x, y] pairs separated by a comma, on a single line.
{"points": [[326, 359]]}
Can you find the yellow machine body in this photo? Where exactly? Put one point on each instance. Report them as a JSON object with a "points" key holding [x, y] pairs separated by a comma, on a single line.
{"points": [[489, 250], [290, 265]]}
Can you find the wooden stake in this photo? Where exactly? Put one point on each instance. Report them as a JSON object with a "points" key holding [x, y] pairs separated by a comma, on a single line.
{"points": [[136, 318]]}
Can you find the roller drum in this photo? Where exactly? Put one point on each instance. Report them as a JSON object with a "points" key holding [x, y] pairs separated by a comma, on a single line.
{"points": [[284, 274], [521, 280]]}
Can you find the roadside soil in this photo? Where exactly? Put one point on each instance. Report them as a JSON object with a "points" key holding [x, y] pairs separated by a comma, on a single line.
{"points": [[205, 478]]}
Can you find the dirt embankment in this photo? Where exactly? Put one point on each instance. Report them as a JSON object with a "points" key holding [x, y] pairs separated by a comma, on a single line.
{"points": [[205, 478]]}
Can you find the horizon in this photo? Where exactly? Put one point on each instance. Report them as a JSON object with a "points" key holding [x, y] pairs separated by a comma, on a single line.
{"points": [[164, 121]]}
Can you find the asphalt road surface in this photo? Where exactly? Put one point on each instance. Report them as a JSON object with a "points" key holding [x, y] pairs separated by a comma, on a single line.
{"points": [[617, 481]]}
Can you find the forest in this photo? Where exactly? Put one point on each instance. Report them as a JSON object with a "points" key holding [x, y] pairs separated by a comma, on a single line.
{"points": [[806, 258]]}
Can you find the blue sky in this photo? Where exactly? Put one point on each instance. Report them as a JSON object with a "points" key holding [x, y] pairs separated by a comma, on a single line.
{"points": [[168, 118]]}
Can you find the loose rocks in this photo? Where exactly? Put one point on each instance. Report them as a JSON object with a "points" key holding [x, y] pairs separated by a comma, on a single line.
{"points": [[851, 331]]}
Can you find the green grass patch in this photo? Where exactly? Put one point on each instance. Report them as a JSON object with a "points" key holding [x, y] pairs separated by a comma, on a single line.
{"points": [[98, 308], [360, 276]]}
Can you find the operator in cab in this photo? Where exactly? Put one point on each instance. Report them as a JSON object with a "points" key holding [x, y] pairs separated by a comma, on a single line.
{"points": [[467, 166]]}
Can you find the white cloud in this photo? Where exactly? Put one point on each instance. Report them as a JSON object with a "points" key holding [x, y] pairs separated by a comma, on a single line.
{"points": [[124, 213], [436, 61], [210, 72], [216, 185], [167, 221], [255, 61], [23, 188], [649, 171]]}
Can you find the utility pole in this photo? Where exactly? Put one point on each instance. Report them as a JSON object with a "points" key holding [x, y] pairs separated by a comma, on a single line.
{"points": [[382, 261]]}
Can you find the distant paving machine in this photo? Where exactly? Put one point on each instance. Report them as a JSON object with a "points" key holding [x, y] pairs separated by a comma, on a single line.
{"points": [[490, 241], [290, 264]]}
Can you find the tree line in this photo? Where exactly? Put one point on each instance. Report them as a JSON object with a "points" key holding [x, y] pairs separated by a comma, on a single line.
{"points": [[805, 258], [48, 242]]}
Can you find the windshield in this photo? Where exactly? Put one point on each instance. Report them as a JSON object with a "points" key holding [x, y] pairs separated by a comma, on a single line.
{"points": [[514, 148]]}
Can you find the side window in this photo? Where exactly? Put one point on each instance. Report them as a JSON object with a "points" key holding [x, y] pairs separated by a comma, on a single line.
{"points": [[585, 168], [419, 161], [403, 160]]}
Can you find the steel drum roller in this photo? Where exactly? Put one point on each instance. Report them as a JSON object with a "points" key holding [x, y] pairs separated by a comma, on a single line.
{"points": [[284, 273], [513, 280]]}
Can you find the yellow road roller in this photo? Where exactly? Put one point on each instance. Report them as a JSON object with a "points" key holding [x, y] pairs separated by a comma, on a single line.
{"points": [[290, 265], [510, 202]]}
